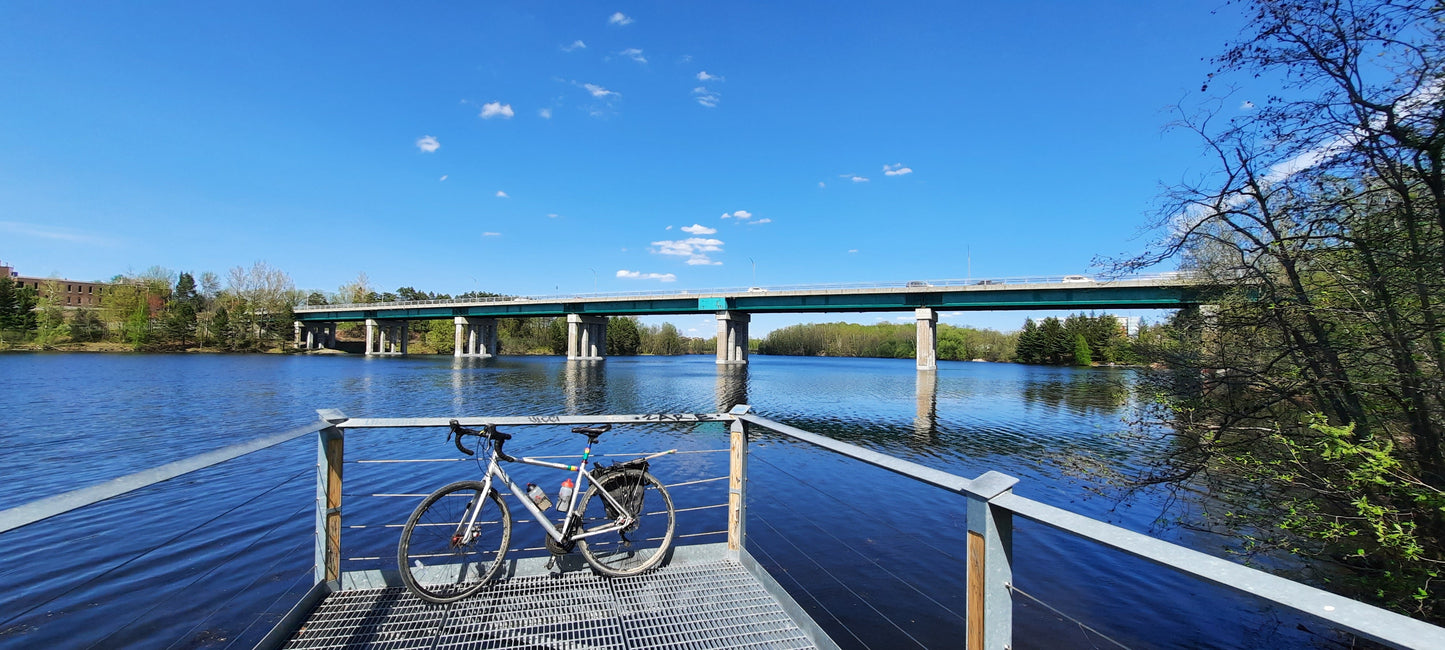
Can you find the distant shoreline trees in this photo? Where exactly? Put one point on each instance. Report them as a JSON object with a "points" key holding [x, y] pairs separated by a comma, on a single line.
{"points": [[885, 340]]}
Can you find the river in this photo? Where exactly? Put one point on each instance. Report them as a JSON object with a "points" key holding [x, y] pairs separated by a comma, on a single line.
{"points": [[212, 558]]}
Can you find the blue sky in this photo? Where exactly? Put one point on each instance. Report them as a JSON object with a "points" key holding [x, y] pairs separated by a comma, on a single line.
{"points": [[534, 148]]}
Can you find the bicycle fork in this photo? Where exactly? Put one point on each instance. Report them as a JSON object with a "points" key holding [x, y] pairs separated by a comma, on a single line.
{"points": [[467, 530]]}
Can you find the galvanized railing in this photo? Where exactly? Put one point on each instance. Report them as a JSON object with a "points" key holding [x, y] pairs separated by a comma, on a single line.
{"points": [[992, 505]]}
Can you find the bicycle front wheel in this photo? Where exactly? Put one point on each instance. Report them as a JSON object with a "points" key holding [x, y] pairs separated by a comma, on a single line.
{"points": [[638, 547], [442, 558]]}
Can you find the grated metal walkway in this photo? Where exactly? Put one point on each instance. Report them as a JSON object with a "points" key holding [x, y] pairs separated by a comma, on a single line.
{"points": [[714, 604]]}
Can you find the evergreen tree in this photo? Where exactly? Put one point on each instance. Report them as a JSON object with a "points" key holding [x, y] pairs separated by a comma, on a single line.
{"points": [[1056, 345], [1081, 351]]}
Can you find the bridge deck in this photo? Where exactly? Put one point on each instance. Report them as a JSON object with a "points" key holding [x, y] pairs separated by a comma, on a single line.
{"points": [[703, 601]]}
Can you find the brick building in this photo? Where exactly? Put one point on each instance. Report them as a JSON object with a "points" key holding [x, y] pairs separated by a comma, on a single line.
{"points": [[68, 293]]}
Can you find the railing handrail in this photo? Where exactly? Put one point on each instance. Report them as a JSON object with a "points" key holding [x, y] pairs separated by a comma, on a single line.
{"points": [[1366, 620], [983, 283], [45, 508]]}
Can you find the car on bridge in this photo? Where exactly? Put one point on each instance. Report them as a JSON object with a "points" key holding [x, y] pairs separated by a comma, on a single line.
{"points": [[1077, 278]]}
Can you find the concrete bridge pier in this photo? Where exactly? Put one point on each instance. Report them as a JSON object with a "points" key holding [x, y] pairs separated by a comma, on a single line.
{"points": [[732, 336], [927, 338], [586, 336], [386, 337], [476, 337], [315, 336]]}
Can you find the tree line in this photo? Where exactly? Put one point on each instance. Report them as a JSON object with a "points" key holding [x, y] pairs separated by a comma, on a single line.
{"points": [[157, 308], [1079, 340], [886, 340]]}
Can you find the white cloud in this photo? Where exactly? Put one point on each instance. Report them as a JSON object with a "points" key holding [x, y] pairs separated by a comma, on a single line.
{"points": [[496, 109], [545, 113], [708, 98], [502, 195], [742, 214], [704, 76], [634, 54], [598, 91], [428, 144], [491, 234], [697, 229], [821, 184], [896, 170], [576, 45], [762, 221], [551, 215], [858, 179], [639, 275], [444, 177], [47, 232], [619, 19], [852, 250], [1246, 105], [695, 249]]}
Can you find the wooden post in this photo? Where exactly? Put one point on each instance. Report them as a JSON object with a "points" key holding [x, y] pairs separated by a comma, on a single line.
{"points": [[737, 483], [329, 451], [990, 564]]}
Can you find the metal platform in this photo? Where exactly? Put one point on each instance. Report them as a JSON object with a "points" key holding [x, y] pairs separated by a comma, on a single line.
{"points": [[700, 600]]}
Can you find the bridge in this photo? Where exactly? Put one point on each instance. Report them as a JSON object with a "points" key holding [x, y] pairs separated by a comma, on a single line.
{"points": [[387, 327]]}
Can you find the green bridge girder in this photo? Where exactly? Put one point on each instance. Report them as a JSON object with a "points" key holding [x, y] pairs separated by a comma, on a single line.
{"points": [[1093, 296]]}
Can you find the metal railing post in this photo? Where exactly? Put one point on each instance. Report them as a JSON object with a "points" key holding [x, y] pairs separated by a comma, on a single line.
{"points": [[737, 482], [990, 564], [330, 444]]}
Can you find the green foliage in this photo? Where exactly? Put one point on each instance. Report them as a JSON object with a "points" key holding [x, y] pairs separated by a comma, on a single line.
{"points": [[662, 339], [1081, 351], [528, 336], [1058, 342], [440, 335], [624, 338], [16, 305], [136, 328], [86, 326], [1375, 519], [50, 322], [885, 340]]}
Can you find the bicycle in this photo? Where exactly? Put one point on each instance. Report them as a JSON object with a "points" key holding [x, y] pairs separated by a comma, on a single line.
{"points": [[455, 542]]}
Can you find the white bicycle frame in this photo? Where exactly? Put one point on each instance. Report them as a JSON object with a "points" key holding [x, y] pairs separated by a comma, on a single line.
{"points": [[494, 470]]}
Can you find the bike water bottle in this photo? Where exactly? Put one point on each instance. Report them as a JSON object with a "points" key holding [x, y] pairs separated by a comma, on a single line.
{"points": [[538, 496], [564, 496]]}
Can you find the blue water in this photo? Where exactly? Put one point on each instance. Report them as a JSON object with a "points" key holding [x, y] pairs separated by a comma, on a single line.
{"points": [[214, 558]]}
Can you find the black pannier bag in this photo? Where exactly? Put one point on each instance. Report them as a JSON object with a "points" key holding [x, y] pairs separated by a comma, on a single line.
{"points": [[624, 482]]}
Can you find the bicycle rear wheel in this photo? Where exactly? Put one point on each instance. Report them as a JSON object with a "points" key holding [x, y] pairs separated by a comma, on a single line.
{"points": [[437, 561], [638, 547]]}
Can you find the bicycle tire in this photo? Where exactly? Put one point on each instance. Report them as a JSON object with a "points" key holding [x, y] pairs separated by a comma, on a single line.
{"points": [[432, 565], [640, 547]]}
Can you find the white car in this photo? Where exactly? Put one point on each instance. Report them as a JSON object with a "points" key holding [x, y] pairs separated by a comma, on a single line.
{"points": [[1077, 278]]}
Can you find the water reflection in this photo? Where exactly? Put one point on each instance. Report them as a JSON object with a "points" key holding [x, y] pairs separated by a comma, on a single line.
{"points": [[925, 423], [585, 388], [1084, 393], [732, 386]]}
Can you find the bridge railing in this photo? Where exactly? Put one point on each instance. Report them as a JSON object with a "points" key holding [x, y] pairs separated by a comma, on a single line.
{"points": [[911, 285]]}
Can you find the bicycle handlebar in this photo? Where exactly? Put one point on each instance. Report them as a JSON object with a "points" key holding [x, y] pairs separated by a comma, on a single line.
{"points": [[491, 433]]}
